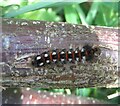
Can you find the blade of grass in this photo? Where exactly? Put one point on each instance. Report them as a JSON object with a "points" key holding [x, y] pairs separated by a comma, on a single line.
{"points": [[113, 5], [36, 6], [71, 15], [29, 8], [81, 14], [105, 19], [92, 12]]}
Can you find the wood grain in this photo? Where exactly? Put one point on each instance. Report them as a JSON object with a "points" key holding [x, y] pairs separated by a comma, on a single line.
{"points": [[21, 38]]}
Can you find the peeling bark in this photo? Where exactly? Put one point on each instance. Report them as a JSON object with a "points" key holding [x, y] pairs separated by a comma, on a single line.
{"points": [[22, 39]]}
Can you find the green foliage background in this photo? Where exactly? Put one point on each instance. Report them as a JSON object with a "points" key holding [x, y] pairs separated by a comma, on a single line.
{"points": [[82, 12]]}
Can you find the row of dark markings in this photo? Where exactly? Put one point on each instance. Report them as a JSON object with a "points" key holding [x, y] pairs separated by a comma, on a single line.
{"points": [[63, 56]]}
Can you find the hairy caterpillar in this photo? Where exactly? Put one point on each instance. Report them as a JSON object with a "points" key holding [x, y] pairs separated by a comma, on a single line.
{"points": [[87, 53]]}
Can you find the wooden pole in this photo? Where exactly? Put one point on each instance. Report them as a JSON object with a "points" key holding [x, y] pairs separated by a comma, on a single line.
{"points": [[22, 39]]}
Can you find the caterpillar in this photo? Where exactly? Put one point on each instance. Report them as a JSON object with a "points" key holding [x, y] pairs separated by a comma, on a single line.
{"points": [[87, 53]]}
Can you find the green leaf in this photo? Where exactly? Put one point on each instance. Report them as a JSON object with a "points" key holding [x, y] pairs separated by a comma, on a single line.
{"points": [[59, 90], [105, 17], [92, 12], [83, 92], [81, 14], [8, 8], [28, 8], [114, 5], [71, 15], [36, 6], [42, 14], [99, 20]]}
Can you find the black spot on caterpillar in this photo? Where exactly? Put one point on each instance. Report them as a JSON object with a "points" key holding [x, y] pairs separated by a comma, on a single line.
{"points": [[87, 53]]}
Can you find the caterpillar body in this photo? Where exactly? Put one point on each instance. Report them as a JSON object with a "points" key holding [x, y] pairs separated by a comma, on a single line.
{"points": [[87, 53]]}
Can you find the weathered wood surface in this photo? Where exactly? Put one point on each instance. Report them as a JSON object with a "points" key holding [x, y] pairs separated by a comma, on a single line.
{"points": [[23, 37]]}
